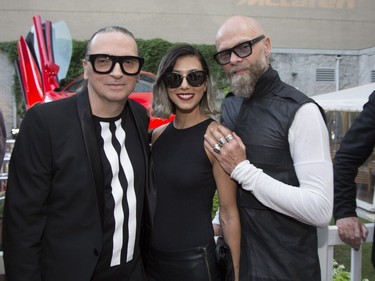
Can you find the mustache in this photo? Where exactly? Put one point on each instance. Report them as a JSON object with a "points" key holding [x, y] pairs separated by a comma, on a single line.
{"points": [[238, 68]]}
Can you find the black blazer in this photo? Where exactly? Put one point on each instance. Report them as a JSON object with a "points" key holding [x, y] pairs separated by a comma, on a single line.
{"points": [[356, 146], [54, 201]]}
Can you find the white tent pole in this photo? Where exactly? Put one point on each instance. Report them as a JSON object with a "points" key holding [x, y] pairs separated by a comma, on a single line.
{"points": [[338, 57]]}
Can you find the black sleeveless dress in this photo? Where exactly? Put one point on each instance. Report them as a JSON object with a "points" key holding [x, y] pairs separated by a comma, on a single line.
{"points": [[182, 236]]}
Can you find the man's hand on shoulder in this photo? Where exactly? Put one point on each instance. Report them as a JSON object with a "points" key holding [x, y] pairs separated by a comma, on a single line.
{"points": [[226, 147]]}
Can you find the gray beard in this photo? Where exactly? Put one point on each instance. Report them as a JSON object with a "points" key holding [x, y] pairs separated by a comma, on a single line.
{"points": [[243, 85]]}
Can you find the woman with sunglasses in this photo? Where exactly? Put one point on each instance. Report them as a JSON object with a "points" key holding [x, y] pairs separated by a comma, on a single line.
{"points": [[186, 176]]}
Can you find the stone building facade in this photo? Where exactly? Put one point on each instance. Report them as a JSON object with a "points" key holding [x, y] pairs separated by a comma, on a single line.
{"points": [[318, 45], [7, 73], [312, 72]]}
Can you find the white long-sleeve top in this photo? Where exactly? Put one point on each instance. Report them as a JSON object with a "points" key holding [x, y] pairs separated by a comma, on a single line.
{"points": [[312, 201]]}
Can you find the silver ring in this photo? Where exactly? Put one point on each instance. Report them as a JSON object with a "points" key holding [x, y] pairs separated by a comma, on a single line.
{"points": [[222, 141], [217, 148], [229, 137]]}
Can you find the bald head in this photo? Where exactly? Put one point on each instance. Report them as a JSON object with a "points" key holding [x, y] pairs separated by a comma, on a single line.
{"points": [[243, 50], [236, 28]]}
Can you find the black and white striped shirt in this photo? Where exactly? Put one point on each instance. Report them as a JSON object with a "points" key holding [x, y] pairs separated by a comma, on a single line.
{"points": [[124, 181]]}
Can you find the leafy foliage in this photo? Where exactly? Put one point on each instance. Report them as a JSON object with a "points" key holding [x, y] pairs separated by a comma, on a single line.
{"points": [[151, 50], [10, 48], [340, 274], [342, 259], [215, 205]]}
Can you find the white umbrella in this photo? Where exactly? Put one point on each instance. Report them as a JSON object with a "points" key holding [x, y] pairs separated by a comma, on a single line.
{"points": [[351, 100]]}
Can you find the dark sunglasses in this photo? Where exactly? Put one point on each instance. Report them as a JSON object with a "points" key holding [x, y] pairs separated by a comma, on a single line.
{"points": [[104, 64], [194, 78], [242, 50]]}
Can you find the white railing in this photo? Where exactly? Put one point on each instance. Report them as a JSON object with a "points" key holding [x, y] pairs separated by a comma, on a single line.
{"points": [[328, 239]]}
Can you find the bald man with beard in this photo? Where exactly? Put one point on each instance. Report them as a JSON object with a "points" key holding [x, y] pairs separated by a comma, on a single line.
{"points": [[277, 149]]}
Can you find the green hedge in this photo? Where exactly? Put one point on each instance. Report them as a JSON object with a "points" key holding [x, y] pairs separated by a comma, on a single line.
{"points": [[10, 49], [152, 50]]}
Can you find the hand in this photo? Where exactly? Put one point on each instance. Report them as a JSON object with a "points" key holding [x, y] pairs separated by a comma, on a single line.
{"points": [[232, 151], [352, 231], [217, 229]]}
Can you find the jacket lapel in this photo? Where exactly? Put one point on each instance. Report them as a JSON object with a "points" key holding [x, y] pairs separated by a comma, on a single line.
{"points": [[92, 150]]}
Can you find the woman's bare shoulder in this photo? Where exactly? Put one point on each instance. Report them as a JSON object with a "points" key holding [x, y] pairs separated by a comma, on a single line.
{"points": [[157, 132]]}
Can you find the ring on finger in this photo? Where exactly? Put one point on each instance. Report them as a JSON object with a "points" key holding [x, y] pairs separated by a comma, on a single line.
{"points": [[222, 141], [229, 137], [217, 148]]}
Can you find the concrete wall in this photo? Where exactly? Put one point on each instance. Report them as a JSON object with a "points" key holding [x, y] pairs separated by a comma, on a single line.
{"points": [[295, 67], [300, 70], [6, 95], [306, 34], [310, 24]]}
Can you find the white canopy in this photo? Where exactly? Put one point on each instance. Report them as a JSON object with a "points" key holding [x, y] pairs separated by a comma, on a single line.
{"points": [[351, 99]]}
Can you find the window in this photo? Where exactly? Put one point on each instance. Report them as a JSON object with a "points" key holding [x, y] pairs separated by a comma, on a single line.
{"points": [[325, 74]]}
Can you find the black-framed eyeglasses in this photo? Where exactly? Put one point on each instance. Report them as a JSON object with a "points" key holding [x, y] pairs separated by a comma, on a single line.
{"points": [[241, 50], [104, 64], [195, 78]]}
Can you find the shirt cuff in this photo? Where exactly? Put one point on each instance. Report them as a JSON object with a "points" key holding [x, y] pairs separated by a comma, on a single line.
{"points": [[246, 175]]}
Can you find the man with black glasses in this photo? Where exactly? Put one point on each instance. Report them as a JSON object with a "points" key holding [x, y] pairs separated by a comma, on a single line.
{"points": [[78, 175], [278, 152]]}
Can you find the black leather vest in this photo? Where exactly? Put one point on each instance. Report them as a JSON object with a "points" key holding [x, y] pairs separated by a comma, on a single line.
{"points": [[263, 124]]}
